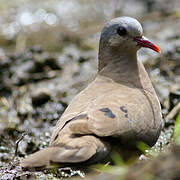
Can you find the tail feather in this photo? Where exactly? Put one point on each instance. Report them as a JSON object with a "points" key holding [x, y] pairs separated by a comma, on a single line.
{"points": [[47, 156], [72, 151], [40, 158]]}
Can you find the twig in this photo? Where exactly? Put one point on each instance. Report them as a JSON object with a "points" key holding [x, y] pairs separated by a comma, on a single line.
{"points": [[17, 144], [173, 112]]}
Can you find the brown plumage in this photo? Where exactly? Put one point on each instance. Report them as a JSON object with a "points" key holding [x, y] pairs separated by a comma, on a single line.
{"points": [[119, 103]]}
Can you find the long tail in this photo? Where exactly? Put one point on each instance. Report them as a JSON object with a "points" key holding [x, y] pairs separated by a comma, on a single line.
{"points": [[40, 158], [73, 151]]}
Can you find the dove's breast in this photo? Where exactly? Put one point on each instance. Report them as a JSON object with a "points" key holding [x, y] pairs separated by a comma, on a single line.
{"points": [[113, 109]]}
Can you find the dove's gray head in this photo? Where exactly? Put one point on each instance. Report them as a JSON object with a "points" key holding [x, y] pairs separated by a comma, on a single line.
{"points": [[122, 36], [120, 33]]}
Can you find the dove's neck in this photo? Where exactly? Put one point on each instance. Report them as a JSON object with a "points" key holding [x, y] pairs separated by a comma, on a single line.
{"points": [[123, 68]]}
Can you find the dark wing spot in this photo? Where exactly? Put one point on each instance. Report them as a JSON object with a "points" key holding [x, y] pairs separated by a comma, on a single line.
{"points": [[81, 116], [123, 109], [107, 112], [126, 115], [56, 137]]}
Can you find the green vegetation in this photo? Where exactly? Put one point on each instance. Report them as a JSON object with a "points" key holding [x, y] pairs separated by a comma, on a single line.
{"points": [[177, 130]]}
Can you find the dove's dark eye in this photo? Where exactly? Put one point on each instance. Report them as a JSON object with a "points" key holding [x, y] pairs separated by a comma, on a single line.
{"points": [[121, 31]]}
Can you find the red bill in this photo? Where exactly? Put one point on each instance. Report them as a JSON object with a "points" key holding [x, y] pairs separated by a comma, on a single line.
{"points": [[144, 42]]}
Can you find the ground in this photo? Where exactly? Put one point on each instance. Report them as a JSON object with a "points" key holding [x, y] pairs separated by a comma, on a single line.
{"points": [[48, 55]]}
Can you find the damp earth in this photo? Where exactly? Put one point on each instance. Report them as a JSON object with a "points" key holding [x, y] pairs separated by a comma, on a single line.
{"points": [[48, 53]]}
